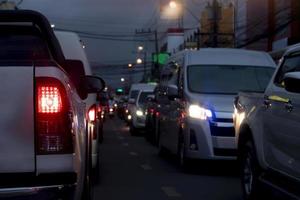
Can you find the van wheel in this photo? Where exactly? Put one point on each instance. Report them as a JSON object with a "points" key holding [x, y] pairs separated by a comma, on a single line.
{"points": [[250, 172]]}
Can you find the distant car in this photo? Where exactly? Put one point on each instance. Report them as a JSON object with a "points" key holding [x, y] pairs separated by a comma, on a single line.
{"points": [[267, 123], [73, 50], [45, 142], [198, 88], [138, 110]]}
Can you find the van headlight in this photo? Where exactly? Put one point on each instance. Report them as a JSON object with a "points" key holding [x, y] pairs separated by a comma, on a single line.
{"points": [[198, 112], [139, 113]]}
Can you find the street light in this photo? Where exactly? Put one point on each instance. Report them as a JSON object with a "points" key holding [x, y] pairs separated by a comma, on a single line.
{"points": [[122, 79], [139, 61], [172, 4], [140, 48], [130, 65]]}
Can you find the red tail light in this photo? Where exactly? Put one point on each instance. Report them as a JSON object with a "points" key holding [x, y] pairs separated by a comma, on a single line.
{"points": [[53, 118], [49, 99], [92, 114]]}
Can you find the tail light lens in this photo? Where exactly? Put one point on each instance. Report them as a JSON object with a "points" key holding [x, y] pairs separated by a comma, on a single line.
{"points": [[92, 114], [53, 118]]}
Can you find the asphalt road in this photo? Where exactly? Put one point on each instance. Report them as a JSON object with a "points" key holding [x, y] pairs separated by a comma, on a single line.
{"points": [[131, 169]]}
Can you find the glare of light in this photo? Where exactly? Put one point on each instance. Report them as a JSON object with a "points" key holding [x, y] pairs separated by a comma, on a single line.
{"points": [[122, 79], [105, 89], [139, 61], [52, 25], [198, 112], [83, 46], [130, 65], [111, 110], [140, 48], [129, 117], [139, 113], [173, 4]]}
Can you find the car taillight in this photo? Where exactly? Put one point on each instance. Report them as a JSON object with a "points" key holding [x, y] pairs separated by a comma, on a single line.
{"points": [[53, 118], [92, 114]]}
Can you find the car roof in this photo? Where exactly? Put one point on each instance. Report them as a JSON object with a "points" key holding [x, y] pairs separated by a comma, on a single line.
{"points": [[227, 56], [72, 48]]}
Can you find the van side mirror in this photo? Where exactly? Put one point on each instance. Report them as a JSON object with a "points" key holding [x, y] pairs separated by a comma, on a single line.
{"points": [[292, 82], [172, 92], [94, 84]]}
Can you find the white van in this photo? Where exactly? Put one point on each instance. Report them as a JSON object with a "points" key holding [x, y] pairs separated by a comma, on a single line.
{"points": [[136, 105], [196, 102]]}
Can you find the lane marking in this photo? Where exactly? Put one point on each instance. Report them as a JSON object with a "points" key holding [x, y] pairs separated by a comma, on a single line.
{"points": [[170, 192], [133, 153], [146, 167]]}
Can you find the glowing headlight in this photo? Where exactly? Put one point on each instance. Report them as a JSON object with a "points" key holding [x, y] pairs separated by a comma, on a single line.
{"points": [[198, 112], [139, 113]]}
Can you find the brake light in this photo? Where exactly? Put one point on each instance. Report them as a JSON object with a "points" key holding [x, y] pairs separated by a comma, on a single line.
{"points": [[92, 114], [53, 118], [49, 99]]}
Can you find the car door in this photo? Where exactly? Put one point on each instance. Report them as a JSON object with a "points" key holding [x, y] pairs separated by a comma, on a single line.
{"points": [[282, 123], [174, 111]]}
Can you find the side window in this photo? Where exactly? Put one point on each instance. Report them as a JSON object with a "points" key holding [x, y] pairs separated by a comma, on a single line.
{"points": [[290, 64]]}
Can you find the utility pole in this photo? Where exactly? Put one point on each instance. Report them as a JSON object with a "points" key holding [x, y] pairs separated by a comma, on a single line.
{"points": [[155, 71], [216, 17]]}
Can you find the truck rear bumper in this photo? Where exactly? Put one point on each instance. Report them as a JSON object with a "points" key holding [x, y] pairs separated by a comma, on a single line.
{"points": [[43, 186], [39, 192]]}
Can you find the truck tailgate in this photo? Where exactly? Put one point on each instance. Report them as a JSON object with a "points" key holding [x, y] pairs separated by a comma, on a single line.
{"points": [[17, 148]]}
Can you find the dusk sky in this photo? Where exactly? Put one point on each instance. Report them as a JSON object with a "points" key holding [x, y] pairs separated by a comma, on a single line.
{"points": [[111, 21]]}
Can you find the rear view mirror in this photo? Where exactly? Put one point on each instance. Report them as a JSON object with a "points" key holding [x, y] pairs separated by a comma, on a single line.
{"points": [[75, 69], [172, 92], [94, 84], [292, 82], [151, 98]]}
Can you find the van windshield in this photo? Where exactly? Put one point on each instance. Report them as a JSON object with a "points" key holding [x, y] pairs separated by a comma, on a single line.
{"points": [[134, 94], [224, 79], [143, 98]]}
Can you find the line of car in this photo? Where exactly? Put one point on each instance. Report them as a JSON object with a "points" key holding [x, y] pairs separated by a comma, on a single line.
{"points": [[50, 120], [227, 104]]}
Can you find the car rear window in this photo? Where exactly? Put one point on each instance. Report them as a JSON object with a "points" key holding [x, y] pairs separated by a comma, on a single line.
{"points": [[22, 47]]}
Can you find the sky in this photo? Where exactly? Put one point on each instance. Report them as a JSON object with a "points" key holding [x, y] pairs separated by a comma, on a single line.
{"points": [[111, 20]]}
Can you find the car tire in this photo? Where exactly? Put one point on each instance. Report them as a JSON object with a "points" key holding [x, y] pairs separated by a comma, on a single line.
{"points": [[250, 172], [88, 186], [156, 133], [183, 161], [133, 130]]}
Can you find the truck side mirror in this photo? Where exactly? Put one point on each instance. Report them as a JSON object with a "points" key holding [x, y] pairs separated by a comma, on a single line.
{"points": [[292, 82], [94, 84], [76, 72]]}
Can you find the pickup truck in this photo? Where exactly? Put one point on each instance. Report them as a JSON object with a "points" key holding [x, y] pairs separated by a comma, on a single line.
{"points": [[267, 125], [44, 142]]}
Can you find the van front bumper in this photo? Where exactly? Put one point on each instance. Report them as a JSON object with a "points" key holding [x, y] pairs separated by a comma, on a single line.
{"points": [[204, 140]]}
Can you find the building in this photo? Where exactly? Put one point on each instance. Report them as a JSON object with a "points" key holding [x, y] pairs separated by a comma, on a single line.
{"points": [[217, 25], [272, 24]]}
